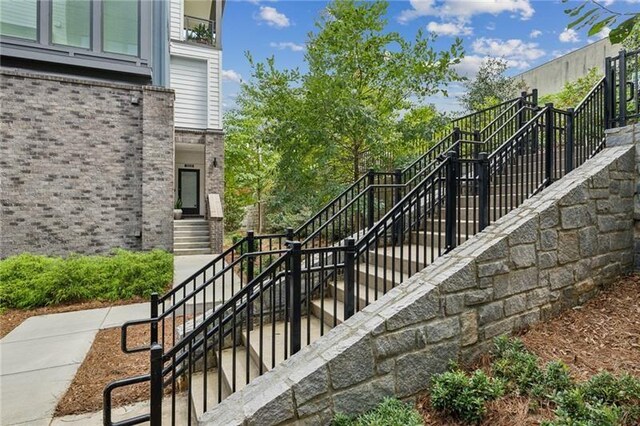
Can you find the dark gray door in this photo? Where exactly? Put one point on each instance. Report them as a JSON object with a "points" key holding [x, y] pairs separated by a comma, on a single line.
{"points": [[189, 190]]}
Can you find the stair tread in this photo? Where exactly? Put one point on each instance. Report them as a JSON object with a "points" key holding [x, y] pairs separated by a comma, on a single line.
{"points": [[240, 368], [197, 390], [271, 358], [328, 306]]}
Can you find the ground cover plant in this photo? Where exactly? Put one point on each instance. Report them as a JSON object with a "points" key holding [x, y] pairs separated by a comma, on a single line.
{"points": [[390, 412], [29, 281], [603, 400]]}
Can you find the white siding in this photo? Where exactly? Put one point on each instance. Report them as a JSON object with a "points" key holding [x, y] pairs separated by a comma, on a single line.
{"points": [[189, 80], [176, 17], [211, 87]]}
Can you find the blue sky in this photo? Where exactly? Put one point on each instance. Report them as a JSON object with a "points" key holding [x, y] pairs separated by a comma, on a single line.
{"points": [[524, 32]]}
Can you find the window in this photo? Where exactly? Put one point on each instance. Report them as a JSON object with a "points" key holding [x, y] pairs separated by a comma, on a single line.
{"points": [[120, 26], [71, 23], [19, 18]]}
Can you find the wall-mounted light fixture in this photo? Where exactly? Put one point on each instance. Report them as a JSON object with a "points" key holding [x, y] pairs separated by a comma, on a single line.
{"points": [[214, 162]]}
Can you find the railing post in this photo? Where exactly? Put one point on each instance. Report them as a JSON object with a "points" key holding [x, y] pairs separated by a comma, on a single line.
{"points": [[251, 248], [295, 308], [622, 89], [397, 196], [570, 145], [288, 235], [153, 332], [549, 140], [609, 87], [451, 198], [483, 190], [156, 385], [534, 97], [476, 152], [349, 278], [457, 135], [521, 114], [370, 200]]}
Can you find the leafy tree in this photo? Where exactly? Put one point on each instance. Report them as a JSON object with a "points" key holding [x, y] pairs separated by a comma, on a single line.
{"points": [[573, 92], [596, 16], [328, 124], [490, 86], [632, 42]]}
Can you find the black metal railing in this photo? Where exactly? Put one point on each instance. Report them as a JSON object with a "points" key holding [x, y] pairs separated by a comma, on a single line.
{"points": [[622, 74], [200, 30], [292, 297]]}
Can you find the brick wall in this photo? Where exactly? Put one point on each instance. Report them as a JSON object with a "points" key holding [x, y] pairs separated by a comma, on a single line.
{"points": [[213, 141], [84, 166], [550, 254]]}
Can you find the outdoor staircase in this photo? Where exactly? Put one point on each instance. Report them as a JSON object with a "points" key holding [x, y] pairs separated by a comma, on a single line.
{"points": [[191, 236], [258, 351]]}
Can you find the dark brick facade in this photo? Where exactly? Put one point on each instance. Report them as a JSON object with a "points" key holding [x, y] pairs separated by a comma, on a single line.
{"points": [[213, 141], [85, 166]]}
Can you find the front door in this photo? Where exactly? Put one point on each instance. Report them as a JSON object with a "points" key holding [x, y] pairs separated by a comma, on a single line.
{"points": [[189, 190]]}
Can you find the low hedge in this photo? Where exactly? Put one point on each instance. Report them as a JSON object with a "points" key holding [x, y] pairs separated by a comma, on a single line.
{"points": [[30, 281]]}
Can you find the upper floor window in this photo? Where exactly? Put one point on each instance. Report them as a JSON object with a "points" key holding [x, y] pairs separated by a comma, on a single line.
{"points": [[71, 23], [19, 18], [120, 28]]}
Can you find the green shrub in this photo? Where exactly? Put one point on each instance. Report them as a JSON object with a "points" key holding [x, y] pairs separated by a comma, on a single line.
{"points": [[601, 401], [519, 370], [390, 412], [30, 281], [463, 396]]}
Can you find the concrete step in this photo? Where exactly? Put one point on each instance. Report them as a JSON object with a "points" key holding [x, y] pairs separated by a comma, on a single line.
{"points": [[271, 352], [179, 238], [191, 245], [329, 310], [190, 251], [198, 394], [337, 291], [241, 369], [378, 277]]}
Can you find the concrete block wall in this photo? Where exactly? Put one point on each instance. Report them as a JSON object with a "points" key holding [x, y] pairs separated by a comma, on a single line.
{"points": [[547, 256], [85, 166]]}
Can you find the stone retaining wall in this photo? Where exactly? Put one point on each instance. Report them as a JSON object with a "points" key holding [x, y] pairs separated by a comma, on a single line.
{"points": [[85, 166], [549, 255]]}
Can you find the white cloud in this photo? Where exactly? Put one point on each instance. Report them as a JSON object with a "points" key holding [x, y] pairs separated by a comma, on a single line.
{"points": [[513, 49], [464, 9], [272, 17], [535, 34], [491, 26], [294, 47], [457, 28], [604, 33], [569, 35], [231, 75]]}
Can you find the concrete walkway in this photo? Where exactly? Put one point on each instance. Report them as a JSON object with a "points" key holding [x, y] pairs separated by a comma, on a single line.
{"points": [[40, 357]]}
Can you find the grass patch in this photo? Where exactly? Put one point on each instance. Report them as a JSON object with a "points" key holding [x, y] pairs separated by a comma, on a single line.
{"points": [[390, 412], [30, 281], [603, 400]]}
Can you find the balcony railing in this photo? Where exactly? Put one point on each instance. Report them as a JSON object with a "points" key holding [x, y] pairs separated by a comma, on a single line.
{"points": [[199, 30]]}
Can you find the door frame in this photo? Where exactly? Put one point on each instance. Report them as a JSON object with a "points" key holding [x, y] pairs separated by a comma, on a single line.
{"points": [[190, 211]]}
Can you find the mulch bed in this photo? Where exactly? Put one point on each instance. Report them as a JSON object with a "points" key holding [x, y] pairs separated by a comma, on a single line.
{"points": [[601, 335], [105, 363], [11, 318]]}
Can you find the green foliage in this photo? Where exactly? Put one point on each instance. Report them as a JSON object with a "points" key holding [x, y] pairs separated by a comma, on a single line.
{"points": [[463, 396], [490, 86], [573, 92], [178, 204], [318, 130], [632, 42], [390, 412], [29, 281], [596, 16], [602, 400]]}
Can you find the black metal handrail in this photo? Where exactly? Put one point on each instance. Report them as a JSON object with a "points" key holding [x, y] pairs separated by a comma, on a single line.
{"points": [[319, 260]]}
